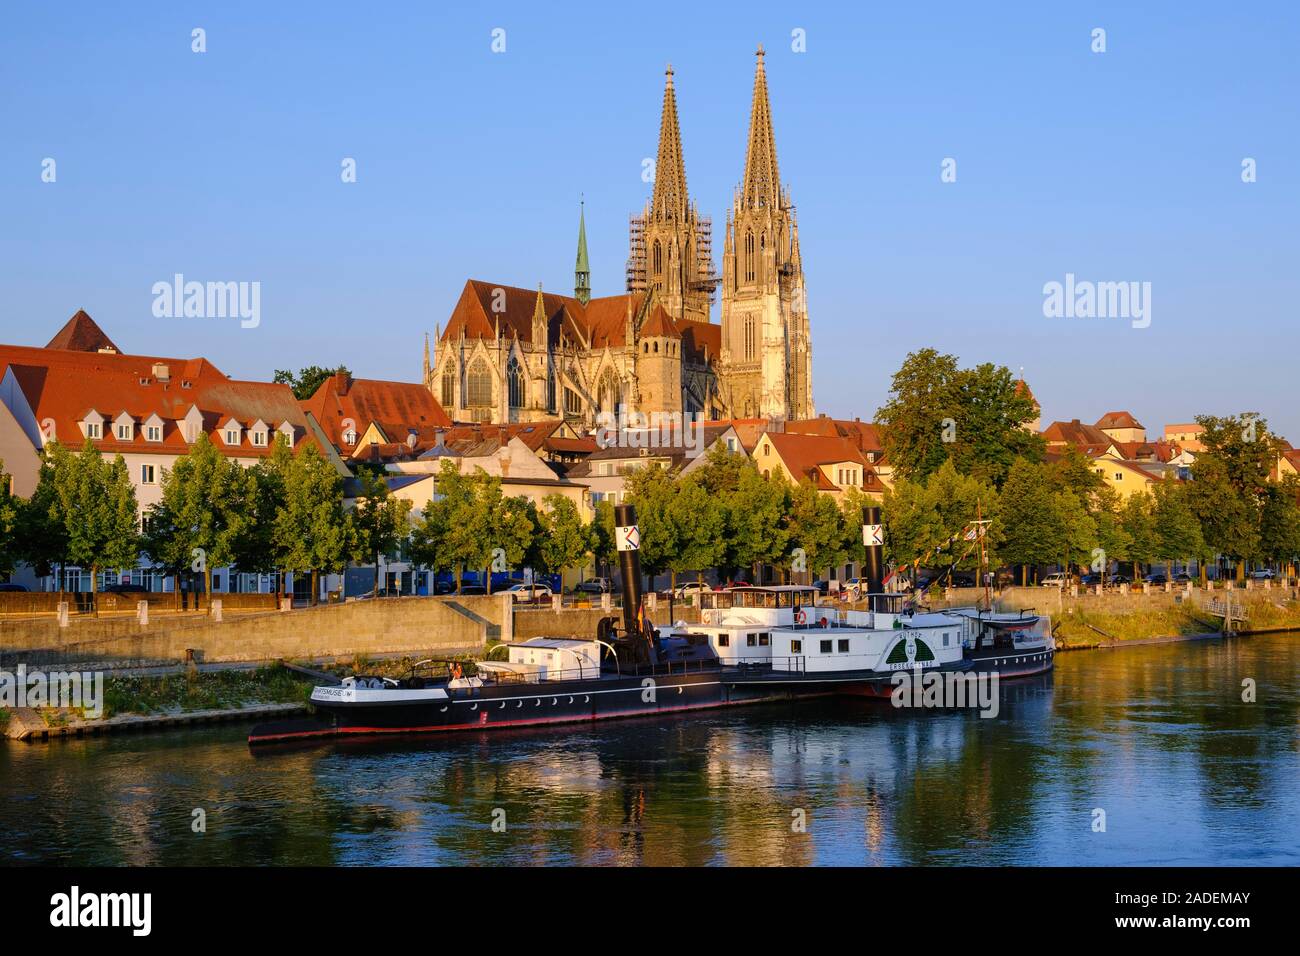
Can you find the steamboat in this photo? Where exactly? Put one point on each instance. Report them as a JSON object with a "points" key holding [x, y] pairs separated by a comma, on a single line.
{"points": [[754, 645]]}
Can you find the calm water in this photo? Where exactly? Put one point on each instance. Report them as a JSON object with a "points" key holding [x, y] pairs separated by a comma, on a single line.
{"points": [[1156, 736]]}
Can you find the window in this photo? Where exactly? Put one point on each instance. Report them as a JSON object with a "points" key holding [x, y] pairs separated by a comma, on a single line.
{"points": [[764, 639], [751, 640], [147, 475], [449, 385], [749, 257], [826, 647], [259, 438], [572, 403], [658, 259], [724, 640], [1119, 476], [480, 383], [515, 379], [796, 647], [94, 430], [153, 433], [232, 436], [550, 388], [844, 645], [124, 432]]}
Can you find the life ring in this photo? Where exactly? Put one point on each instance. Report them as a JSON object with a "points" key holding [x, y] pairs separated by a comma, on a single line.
{"points": [[801, 616]]}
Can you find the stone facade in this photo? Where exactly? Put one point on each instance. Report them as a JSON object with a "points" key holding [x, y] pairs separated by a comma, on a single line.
{"points": [[509, 354]]}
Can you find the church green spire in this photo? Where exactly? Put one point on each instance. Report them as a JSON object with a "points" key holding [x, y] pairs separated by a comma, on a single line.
{"points": [[582, 271]]}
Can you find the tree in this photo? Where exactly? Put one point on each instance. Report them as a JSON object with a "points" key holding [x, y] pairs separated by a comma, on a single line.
{"points": [[1230, 479], [698, 522], [508, 524], [912, 525], [1279, 526], [1078, 530], [205, 507], [563, 539], [95, 502], [1137, 518], [757, 519], [256, 548], [380, 520], [603, 547], [42, 536], [817, 529], [974, 417], [1030, 518], [651, 490], [1178, 533], [305, 382], [8, 523], [1229, 520], [312, 530]]}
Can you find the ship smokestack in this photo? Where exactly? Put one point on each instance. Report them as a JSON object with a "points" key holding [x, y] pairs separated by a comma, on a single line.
{"points": [[627, 538], [873, 538]]}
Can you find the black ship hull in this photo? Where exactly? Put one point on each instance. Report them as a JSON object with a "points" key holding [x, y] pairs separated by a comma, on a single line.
{"points": [[501, 706]]}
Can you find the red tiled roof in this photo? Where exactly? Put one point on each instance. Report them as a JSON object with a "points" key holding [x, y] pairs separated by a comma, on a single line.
{"points": [[1118, 420], [485, 307], [1076, 433], [396, 407], [81, 334], [802, 454], [865, 435], [63, 385]]}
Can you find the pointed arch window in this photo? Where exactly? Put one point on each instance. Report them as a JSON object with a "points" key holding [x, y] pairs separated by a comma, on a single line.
{"points": [[608, 396], [480, 383], [550, 388], [749, 257], [449, 385], [658, 259], [515, 379]]}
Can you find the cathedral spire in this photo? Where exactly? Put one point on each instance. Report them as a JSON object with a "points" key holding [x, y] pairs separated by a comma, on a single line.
{"points": [[427, 377], [669, 201], [762, 184], [582, 271]]}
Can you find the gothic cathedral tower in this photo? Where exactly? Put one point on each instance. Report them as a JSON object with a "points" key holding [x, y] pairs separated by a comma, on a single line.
{"points": [[766, 345], [671, 244]]}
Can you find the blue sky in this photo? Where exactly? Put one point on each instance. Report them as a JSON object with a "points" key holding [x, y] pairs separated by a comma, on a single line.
{"points": [[1119, 166]]}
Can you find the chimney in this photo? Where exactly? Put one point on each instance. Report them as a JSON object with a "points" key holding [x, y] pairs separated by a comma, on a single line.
{"points": [[342, 382], [161, 372], [411, 437]]}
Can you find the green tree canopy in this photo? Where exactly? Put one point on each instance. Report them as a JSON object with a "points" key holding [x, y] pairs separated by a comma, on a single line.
{"points": [[305, 381]]}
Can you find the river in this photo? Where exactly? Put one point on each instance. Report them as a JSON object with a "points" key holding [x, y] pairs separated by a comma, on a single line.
{"points": [[1156, 737]]}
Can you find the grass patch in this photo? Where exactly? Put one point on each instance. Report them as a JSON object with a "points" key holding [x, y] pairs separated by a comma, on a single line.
{"points": [[214, 690], [1080, 628]]}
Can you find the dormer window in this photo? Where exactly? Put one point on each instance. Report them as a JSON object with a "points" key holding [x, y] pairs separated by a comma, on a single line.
{"points": [[153, 433], [259, 439], [287, 430], [124, 432], [232, 436], [92, 426], [350, 436]]}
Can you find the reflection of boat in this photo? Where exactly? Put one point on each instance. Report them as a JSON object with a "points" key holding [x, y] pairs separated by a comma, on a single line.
{"points": [[754, 645]]}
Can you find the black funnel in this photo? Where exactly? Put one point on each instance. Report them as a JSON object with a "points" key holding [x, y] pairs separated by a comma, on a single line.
{"points": [[627, 539], [873, 538]]}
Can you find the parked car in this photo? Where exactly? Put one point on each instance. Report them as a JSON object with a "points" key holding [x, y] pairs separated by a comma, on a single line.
{"points": [[468, 589], [1091, 580], [1117, 579], [1263, 574], [1058, 579], [528, 592], [1159, 579], [686, 592], [13, 587], [1182, 577], [855, 588], [592, 588], [126, 588], [965, 579], [444, 587]]}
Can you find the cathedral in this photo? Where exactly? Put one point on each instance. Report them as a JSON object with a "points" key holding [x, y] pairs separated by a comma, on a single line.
{"points": [[511, 354]]}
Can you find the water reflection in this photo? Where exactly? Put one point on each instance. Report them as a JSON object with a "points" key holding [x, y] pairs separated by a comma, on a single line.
{"points": [[1157, 737]]}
